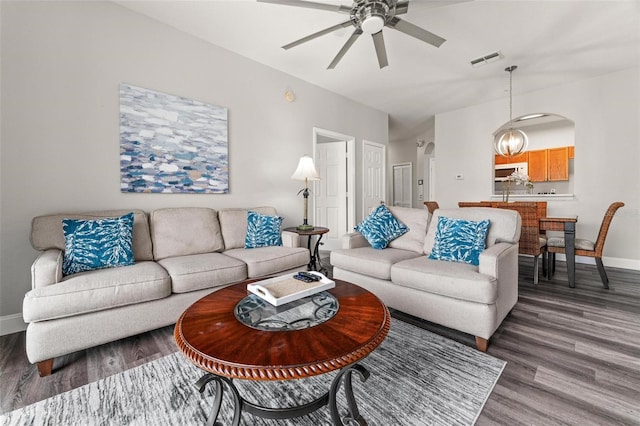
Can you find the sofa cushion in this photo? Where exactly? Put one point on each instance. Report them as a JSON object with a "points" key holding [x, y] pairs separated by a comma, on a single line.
{"points": [[459, 240], [200, 271], [97, 290], [262, 230], [46, 231], [417, 221], [457, 280], [233, 225], [369, 261], [263, 261], [97, 244], [381, 227], [185, 231], [505, 224]]}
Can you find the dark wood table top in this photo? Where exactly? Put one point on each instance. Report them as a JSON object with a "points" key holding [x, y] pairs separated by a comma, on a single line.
{"points": [[209, 334], [318, 230]]}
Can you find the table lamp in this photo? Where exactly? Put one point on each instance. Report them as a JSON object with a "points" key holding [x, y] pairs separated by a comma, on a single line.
{"points": [[306, 171]]}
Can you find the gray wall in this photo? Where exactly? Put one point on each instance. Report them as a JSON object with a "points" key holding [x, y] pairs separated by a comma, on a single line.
{"points": [[605, 111], [61, 66]]}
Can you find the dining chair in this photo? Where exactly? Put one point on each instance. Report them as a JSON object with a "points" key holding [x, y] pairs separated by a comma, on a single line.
{"points": [[532, 242], [431, 206], [585, 247]]}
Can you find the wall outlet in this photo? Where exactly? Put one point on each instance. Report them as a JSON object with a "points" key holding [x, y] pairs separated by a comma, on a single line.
{"points": [[459, 176]]}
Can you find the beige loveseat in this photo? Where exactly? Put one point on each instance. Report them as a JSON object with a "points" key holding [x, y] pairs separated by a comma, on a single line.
{"points": [[468, 298], [181, 254]]}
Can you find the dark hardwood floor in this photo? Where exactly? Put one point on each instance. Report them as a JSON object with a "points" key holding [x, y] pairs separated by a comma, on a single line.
{"points": [[573, 355]]}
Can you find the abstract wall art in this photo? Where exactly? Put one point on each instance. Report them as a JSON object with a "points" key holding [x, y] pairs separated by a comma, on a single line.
{"points": [[171, 144]]}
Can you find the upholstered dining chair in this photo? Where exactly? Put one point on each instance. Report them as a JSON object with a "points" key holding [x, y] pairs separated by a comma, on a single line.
{"points": [[431, 206], [585, 247]]}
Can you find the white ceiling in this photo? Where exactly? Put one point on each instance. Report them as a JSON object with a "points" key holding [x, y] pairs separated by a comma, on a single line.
{"points": [[552, 42]]}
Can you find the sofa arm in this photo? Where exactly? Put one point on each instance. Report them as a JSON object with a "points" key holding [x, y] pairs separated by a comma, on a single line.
{"points": [[47, 268], [354, 240], [290, 239], [496, 260]]}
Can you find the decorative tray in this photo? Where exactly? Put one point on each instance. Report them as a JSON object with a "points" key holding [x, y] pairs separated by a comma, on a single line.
{"points": [[284, 289]]}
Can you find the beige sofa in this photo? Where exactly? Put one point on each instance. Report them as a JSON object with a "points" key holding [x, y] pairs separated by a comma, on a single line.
{"points": [[468, 298], [181, 254]]}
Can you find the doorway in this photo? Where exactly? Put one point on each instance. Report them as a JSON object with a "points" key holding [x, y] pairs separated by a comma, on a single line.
{"points": [[333, 195], [402, 185], [373, 176]]}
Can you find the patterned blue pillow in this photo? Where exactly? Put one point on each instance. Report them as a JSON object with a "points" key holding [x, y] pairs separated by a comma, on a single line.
{"points": [[459, 240], [262, 230], [97, 244], [381, 227]]}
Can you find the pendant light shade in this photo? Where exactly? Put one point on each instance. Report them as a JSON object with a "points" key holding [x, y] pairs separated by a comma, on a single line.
{"points": [[510, 142]]}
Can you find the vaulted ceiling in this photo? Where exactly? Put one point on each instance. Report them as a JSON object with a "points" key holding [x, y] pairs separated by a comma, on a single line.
{"points": [[552, 42]]}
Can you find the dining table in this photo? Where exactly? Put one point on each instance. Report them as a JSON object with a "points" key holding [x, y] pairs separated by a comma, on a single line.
{"points": [[568, 226]]}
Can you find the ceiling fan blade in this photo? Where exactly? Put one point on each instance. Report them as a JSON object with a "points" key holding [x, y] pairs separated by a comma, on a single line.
{"points": [[316, 35], [357, 33], [415, 31], [310, 5], [378, 42], [402, 7]]}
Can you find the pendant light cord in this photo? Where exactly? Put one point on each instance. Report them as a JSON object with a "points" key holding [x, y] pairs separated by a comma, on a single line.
{"points": [[511, 69]]}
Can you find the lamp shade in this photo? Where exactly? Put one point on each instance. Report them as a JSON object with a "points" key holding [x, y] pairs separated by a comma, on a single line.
{"points": [[306, 170]]}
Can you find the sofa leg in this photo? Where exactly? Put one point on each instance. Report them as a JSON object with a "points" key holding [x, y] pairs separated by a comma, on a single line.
{"points": [[45, 367], [482, 343]]}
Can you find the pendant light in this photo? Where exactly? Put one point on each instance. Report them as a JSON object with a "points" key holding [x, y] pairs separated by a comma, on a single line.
{"points": [[510, 142]]}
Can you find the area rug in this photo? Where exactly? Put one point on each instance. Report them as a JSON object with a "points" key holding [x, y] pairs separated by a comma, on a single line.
{"points": [[417, 378]]}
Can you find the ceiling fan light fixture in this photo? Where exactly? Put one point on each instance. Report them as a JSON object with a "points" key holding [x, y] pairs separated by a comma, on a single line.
{"points": [[372, 24]]}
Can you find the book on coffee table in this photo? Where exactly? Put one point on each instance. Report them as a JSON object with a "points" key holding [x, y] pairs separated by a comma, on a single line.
{"points": [[284, 289]]}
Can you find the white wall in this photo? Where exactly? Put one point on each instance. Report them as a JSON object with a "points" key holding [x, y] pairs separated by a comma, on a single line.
{"points": [[607, 145], [61, 66]]}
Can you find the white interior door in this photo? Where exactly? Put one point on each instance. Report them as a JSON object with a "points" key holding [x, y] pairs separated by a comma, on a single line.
{"points": [[373, 179], [402, 185], [331, 192]]}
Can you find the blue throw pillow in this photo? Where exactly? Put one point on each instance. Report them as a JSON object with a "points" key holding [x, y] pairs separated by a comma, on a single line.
{"points": [[97, 244], [262, 230], [459, 240], [381, 227]]}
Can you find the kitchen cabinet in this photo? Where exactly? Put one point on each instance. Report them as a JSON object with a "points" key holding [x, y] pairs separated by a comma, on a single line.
{"points": [[558, 163], [538, 165], [522, 158]]}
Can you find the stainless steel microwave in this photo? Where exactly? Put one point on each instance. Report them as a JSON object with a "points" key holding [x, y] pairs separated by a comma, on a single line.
{"points": [[503, 171]]}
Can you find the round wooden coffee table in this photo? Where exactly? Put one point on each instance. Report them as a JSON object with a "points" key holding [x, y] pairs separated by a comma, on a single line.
{"points": [[213, 338]]}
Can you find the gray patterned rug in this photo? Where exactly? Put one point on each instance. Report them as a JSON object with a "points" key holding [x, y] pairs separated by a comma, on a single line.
{"points": [[417, 378]]}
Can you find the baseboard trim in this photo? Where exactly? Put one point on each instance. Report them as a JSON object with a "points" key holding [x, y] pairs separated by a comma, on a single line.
{"points": [[10, 324]]}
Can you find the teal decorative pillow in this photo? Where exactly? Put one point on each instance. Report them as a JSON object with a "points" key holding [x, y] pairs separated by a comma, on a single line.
{"points": [[459, 240], [381, 227], [97, 244], [262, 230]]}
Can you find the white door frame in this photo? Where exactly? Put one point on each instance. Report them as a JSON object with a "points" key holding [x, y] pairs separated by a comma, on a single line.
{"points": [[351, 167], [383, 186]]}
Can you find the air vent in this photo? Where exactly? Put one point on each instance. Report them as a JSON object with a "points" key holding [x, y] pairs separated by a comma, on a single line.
{"points": [[483, 60]]}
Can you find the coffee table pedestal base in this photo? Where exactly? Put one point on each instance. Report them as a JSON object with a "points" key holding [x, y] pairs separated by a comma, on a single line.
{"points": [[353, 417]]}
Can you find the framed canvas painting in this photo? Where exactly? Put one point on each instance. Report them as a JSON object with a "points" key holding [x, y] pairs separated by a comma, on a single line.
{"points": [[171, 144]]}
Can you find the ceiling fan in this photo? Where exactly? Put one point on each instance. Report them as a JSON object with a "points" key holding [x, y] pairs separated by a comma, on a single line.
{"points": [[366, 16]]}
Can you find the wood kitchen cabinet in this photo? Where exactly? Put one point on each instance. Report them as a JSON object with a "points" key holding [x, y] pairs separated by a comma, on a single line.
{"points": [[522, 158], [558, 163], [538, 165]]}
